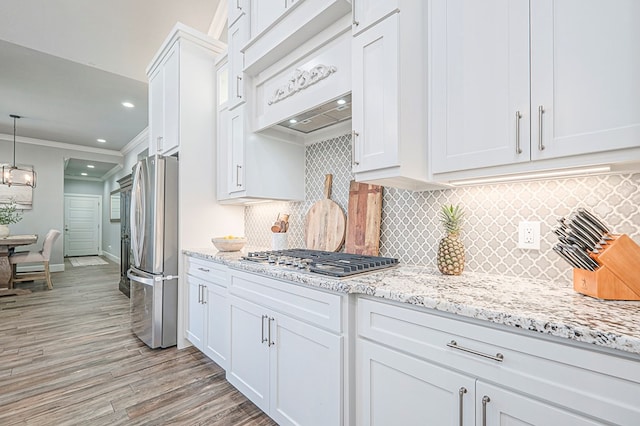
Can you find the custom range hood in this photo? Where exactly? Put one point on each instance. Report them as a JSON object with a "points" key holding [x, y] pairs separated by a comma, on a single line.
{"points": [[325, 115], [308, 90]]}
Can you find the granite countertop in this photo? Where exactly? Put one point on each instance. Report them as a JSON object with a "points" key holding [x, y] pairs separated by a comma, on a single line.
{"points": [[541, 306]]}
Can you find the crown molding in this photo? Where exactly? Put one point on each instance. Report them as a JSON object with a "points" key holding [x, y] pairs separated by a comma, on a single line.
{"points": [[60, 145]]}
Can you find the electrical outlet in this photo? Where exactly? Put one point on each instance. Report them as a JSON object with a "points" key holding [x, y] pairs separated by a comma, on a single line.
{"points": [[529, 235]]}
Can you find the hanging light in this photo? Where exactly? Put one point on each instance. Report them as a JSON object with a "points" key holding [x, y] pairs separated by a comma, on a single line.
{"points": [[14, 175]]}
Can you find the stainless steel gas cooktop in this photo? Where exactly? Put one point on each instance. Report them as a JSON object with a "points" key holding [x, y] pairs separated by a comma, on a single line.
{"points": [[322, 262]]}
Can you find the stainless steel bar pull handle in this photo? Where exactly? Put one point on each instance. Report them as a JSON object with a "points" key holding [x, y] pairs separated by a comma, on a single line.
{"points": [[353, 7], [270, 342], [461, 393], [454, 345], [238, 167], [262, 339], [204, 294], [204, 270], [354, 135], [485, 400], [238, 5], [199, 293], [238, 80], [518, 117], [540, 113]]}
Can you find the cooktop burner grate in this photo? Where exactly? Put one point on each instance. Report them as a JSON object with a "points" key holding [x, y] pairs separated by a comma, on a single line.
{"points": [[322, 262]]}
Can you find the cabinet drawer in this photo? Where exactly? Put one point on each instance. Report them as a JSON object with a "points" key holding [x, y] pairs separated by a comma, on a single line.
{"points": [[594, 382], [208, 271], [313, 306]]}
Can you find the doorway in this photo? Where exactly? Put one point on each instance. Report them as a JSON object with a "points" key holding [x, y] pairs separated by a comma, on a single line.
{"points": [[82, 225]]}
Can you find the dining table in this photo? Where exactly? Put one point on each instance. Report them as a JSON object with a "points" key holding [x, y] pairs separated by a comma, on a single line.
{"points": [[7, 244]]}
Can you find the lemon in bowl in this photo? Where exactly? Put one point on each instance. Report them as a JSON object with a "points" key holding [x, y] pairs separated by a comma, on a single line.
{"points": [[229, 243]]}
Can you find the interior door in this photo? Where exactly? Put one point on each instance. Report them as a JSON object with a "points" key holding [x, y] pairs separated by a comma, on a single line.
{"points": [[82, 219]]}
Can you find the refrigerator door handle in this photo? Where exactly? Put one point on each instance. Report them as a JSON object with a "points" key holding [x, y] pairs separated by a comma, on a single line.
{"points": [[137, 214], [137, 278]]}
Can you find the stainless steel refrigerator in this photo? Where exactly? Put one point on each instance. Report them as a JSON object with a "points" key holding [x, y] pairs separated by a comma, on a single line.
{"points": [[154, 251]]}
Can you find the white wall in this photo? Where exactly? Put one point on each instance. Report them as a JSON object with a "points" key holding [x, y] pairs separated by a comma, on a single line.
{"points": [[48, 196], [111, 230], [85, 187]]}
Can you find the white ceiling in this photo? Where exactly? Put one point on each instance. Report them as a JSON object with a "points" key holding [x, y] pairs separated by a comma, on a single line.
{"points": [[67, 65]]}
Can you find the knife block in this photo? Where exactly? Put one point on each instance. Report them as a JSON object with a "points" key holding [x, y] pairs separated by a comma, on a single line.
{"points": [[618, 277]]}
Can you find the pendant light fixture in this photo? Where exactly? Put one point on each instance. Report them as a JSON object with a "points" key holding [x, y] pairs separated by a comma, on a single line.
{"points": [[14, 175]]}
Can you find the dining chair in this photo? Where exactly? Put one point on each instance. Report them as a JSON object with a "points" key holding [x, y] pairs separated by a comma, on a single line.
{"points": [[41, 256]]}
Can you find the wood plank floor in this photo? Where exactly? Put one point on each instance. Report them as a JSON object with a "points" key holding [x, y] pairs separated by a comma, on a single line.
{"points": [[68, 357]]}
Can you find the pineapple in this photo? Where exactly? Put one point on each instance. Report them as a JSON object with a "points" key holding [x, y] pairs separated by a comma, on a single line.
{"points": [[450, 249]]}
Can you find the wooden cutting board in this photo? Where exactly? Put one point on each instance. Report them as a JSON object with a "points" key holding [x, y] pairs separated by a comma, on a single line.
{"points": [[325, 222], [363, 219]]}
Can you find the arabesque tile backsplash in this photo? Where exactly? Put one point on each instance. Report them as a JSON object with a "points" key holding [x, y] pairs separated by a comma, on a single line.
{"points": [[411, 231]]}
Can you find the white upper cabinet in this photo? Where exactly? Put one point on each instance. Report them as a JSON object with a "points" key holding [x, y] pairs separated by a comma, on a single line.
{"points": [[182, 91], [585, 58], [375, 95], [480, 83], [265, 12], [519, 86], [389, 97], [368, 12], [164, 96], [238, 36], [236, 152], [278, 27], [237, 8]]}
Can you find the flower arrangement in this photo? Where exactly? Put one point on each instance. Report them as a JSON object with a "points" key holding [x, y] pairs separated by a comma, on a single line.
{"points": [[9, 213]]}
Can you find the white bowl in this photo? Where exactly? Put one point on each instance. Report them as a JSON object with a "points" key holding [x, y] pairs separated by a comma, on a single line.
{"points": [[229, 244]]}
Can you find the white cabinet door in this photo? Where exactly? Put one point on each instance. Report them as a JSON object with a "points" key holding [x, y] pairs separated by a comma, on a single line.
{"points": [[217, 324], [375, 96], [479, 83], [238, 36], [164, 104], [249, 354], [264, 13], [195, 319], [585, 66], [397, 389], [236, 150], [237, 8], [367, 12], [497, 406], [306, 373]]}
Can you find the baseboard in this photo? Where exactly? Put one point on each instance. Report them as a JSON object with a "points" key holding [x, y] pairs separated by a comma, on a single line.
{"points": [[58, 267], [111, 257]]}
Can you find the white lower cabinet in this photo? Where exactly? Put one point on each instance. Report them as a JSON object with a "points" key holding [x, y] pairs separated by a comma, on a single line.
{"points": [[415, 367], [208, 313], [290, 368], [400, 389], [498, 406], [395, 388]]}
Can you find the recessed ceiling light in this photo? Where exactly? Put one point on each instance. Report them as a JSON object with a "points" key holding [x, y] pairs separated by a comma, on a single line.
{"points": [[91, 166], [128, 104], [83, 174], [101, 140], [341, 102], [293, 121]]}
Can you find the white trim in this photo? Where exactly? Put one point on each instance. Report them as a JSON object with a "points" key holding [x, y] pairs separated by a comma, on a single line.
{"points": [[219, 20], [60, 145], [111, 257], [143, 136]]}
